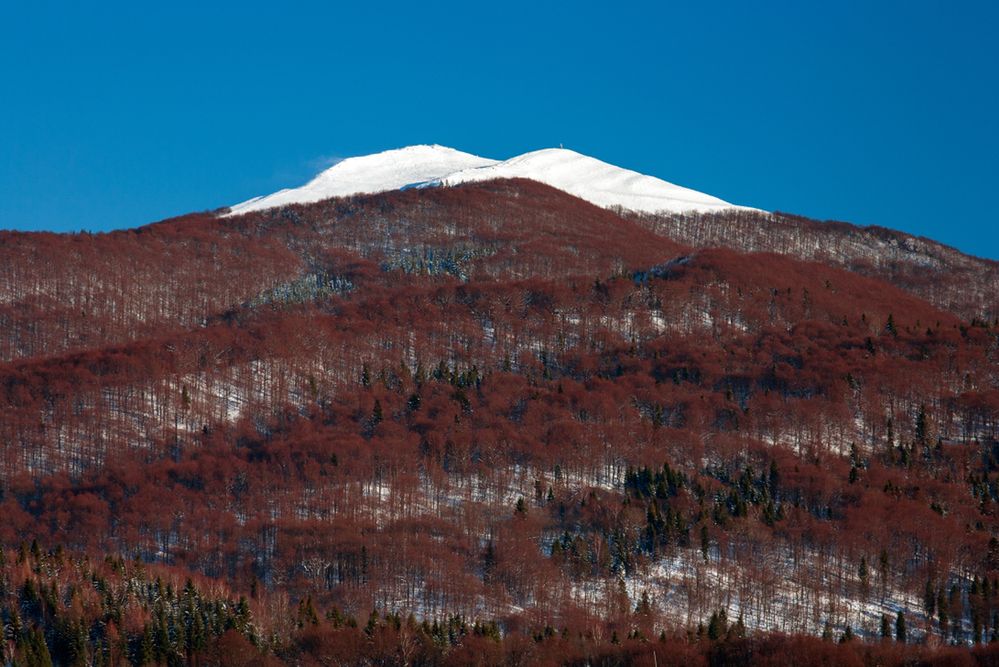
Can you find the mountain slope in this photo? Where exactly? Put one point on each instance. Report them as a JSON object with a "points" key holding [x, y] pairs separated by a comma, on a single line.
{"points": [[962, 284], [498, 402]]}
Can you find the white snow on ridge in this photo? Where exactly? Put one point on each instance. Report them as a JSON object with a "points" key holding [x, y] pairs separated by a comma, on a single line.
{"points": [[595, 181], [585, 177], [389, 170]]}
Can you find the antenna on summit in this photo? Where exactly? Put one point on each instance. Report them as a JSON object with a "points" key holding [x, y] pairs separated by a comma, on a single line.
{"points": [[560, 145]]}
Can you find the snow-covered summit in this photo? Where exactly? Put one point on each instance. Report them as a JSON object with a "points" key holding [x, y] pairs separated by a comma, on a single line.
{"points": [[388, 170], [585, 177], [595, 181]]}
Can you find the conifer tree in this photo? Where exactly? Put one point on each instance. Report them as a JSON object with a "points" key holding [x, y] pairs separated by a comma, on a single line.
{"points": [[890, 328], [929, 599], [922, 425], [146, 652]]}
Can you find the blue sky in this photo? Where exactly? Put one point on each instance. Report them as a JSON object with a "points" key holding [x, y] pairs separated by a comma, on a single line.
{"points": [[117, 114]]}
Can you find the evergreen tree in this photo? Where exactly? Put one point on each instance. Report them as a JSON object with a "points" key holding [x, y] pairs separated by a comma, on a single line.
{"points": [[243, 616], [372, 625], [307, 613], [717, 625], [146, 654], [644, 607], [161, 635], [890, 328], [33, 649], [70, 643], [738, 629], [929, 599], [942, 613], [900, 633], [922, 425]]}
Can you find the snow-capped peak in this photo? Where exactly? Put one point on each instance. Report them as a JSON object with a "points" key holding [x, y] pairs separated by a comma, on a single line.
{"points": [[585, 177], [595, 181], [388, 170]]}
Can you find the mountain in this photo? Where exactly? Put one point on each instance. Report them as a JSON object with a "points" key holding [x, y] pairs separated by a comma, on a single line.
{"points": [[551, 430], [957, 282], [422, 166], [594, 181], [388, 170]]}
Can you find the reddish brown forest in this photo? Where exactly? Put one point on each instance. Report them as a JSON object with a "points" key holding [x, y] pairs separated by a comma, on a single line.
{"points": [[494, 421], [947, 278]]}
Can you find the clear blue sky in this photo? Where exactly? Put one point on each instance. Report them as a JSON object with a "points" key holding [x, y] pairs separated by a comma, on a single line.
{"points": [[115, 114]]}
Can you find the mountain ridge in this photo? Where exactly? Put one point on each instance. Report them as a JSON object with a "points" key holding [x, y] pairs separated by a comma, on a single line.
{"points": [[595, 181], [588, 178]]}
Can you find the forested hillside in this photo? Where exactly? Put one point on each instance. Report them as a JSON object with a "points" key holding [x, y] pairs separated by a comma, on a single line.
{"points": [[496, 423], [947, 278]]}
